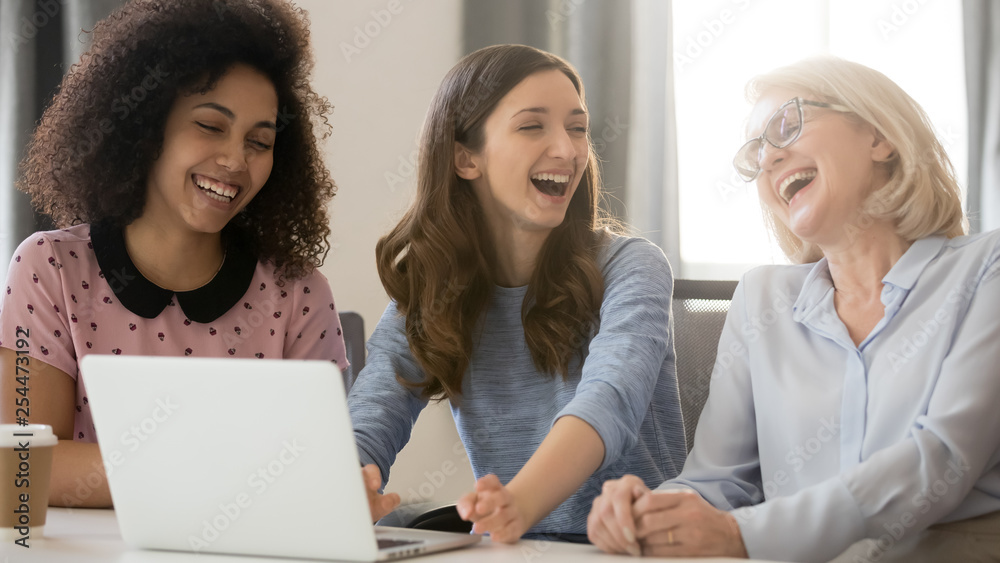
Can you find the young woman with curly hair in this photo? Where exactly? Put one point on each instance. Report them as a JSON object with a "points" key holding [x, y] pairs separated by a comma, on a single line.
{"points": [[549, 333], [179, 159]]}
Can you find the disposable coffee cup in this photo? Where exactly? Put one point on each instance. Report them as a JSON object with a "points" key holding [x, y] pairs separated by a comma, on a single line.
{"points": [[25, 469]]}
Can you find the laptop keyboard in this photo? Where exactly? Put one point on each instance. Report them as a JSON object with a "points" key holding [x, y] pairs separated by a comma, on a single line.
{"points": [[387, 543]]}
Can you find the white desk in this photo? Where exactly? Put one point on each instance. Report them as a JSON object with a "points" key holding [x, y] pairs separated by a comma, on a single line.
{"points": [[91, 536]]}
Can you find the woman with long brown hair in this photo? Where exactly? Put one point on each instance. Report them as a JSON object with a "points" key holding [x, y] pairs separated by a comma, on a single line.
{"points": [[549, 333]]}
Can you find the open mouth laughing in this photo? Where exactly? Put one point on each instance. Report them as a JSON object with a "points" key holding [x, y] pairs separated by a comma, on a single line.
{"points": [[554, 185], [794, 183], [214, 189]]}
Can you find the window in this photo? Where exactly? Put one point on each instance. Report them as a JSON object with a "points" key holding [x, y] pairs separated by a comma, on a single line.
{"points": [[719, 45]]}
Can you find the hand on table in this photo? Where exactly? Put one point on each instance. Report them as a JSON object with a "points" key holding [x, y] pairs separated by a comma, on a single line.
{"points": [[628, 518], [611, 525], [493, 509], [680, 523], [379, 505]]}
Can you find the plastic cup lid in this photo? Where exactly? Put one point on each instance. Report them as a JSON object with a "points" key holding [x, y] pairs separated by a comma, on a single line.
{"points": [[36, 435]]}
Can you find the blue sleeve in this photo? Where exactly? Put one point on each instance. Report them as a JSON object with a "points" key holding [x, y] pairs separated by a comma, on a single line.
{"points": [[626, 355], [382, 409]]}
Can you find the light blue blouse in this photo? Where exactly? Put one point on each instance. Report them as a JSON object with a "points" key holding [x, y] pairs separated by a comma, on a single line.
{"points": [[815, 443]]}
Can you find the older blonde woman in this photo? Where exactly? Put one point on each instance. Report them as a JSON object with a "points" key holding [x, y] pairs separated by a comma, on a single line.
{"points": [[865, 416]]}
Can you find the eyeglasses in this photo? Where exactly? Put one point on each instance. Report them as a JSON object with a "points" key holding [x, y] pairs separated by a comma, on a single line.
{"points": [[781, 130]]}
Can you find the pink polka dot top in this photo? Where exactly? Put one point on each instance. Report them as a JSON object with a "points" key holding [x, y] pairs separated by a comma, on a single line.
{"points": [[76, 295]]}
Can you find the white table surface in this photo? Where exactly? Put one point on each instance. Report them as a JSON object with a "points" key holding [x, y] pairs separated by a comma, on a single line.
{"points": [[91, 536]]}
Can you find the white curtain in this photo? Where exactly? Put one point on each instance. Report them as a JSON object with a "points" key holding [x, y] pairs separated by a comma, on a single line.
{"points": [[17, 95], [653, 201], [982, 67]]}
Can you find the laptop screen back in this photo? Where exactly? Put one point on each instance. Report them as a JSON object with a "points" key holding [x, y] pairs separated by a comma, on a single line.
{"points": [[230, 455]]}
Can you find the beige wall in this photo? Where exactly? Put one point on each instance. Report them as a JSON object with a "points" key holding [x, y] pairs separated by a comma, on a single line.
{"points": [[380, 62]]}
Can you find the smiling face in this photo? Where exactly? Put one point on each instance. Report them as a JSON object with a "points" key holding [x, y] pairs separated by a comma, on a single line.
{"points": [[535, 153], [816, 186], [217, 153]]}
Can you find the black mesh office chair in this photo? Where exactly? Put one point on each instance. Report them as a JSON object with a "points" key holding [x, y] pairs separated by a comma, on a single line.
{"points": [[699, 312], [353, 327]]}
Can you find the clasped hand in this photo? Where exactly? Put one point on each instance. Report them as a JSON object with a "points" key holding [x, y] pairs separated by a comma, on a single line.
{"points": [[493, 509], [628, 518]]}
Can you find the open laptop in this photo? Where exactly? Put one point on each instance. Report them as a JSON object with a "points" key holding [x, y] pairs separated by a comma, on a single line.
{"points": [[240, 457]]}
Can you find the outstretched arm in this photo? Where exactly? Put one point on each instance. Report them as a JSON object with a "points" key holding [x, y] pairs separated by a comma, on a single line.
{"points": [[626, 369], [382, 410], [568, 456]]}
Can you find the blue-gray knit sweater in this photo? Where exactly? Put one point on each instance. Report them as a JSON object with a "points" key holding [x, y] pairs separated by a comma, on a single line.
{"points": [[626, 387]]}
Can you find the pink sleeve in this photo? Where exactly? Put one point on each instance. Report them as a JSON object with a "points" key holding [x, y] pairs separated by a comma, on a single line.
{"points": [[33, 302], [314, 331]]}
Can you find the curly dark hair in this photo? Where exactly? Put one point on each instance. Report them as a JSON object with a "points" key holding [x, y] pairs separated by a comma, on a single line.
{"points": [[89, 158]]}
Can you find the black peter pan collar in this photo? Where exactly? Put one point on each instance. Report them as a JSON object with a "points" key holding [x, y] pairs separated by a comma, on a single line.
{"points": [[146, 299]]}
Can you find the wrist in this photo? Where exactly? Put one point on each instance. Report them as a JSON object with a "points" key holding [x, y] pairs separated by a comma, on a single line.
{"points": [[529, 511], [736, 537]]}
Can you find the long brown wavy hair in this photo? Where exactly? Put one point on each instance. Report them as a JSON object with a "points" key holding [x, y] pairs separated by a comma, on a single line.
{"points": [[438, 263], [90, 156]]}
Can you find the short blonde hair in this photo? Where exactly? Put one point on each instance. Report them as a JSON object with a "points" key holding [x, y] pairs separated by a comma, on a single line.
{"points": [[922, 197]]}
